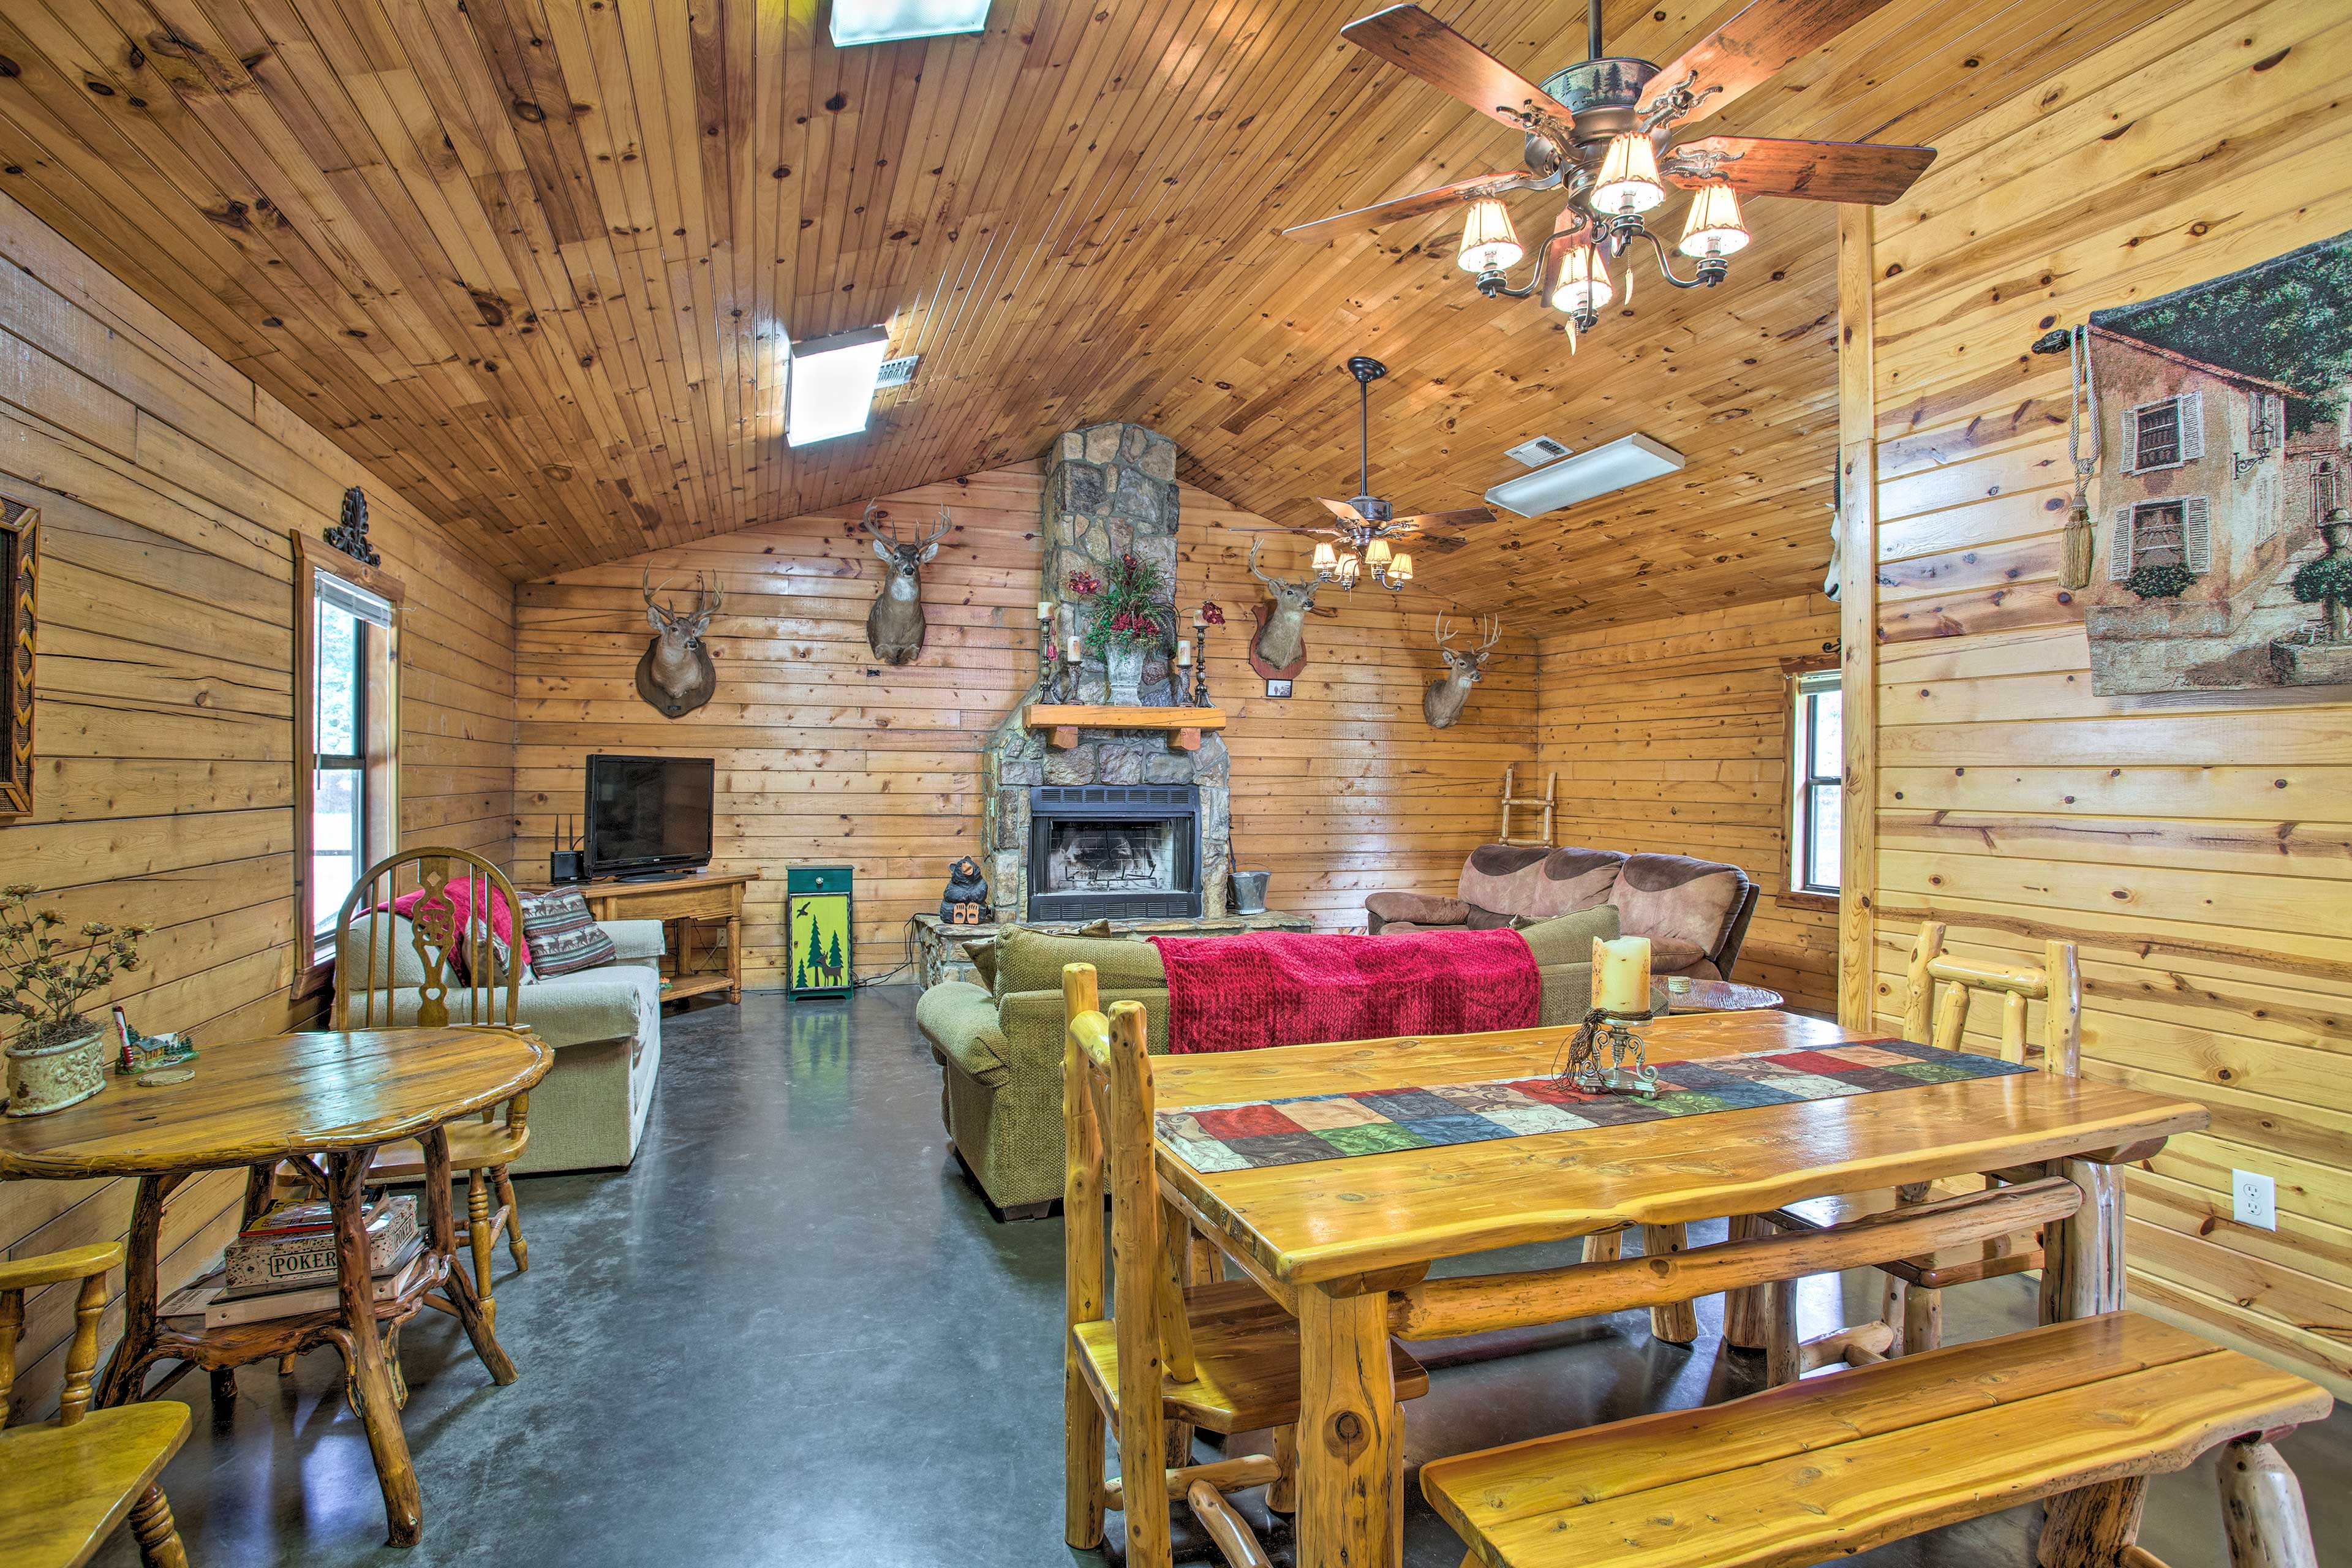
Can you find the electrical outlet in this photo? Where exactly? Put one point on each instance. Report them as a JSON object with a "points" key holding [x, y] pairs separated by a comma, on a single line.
{"points": [[2256, 1197]]}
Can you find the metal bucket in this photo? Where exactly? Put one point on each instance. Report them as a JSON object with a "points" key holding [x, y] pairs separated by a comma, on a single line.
{"points": [[1249, 892]]}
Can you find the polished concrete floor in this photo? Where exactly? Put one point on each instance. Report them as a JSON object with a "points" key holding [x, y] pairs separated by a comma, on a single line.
{"points": [[792, 1335]]}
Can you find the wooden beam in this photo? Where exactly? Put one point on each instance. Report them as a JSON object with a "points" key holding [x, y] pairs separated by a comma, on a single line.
{"points": [[1439, 1308], [1857, 525]]}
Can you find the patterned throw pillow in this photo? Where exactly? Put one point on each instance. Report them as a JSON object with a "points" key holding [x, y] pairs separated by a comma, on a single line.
{"points": [[563, 937]]}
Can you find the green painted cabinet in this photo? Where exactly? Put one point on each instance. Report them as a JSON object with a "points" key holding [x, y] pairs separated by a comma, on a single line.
{"points": [[817, 904]]}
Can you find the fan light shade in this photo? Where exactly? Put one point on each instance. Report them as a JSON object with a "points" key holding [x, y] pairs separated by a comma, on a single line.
{"points": [[881, 21], [1400, 569], [1583, 282], [1489, 243], [1325, 556], [1714, 227], [1377, 552], [833, 384], [1629, 177], [1349, 567]]}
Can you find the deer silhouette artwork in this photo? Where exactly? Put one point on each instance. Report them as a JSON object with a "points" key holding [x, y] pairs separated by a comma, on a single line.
{"points": [[894, 629], [1442, 703], [1280, 645], [675, 674]]}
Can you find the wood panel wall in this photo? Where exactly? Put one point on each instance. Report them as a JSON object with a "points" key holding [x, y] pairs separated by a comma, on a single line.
{"points": [[1671, 736], [2198, 848], [167, 484], [825, 756]]}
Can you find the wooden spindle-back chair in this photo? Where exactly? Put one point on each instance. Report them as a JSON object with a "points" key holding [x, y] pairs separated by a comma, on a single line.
{"points": [[1938, 995], [467, 978], [1171, 1357], [68, 1483]]}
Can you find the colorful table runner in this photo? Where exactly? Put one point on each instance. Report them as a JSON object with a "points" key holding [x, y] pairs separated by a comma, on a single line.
{"points": [[1375, 1122]]}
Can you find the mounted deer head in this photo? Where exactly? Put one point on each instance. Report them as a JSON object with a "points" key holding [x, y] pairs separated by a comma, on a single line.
{"points": [[1442, 703], [894, 629], [676, 674], [1281, 642]]}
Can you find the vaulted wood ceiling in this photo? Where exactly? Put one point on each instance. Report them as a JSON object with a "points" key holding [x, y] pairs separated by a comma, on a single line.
{"points": [[534, 261]]}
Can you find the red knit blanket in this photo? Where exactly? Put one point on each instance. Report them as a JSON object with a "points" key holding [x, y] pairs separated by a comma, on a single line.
{"points": [[1281, 988]]}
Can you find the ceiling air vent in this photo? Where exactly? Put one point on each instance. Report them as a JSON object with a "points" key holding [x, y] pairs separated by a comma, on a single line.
{"points": [[896, 372], [1535, 454]]}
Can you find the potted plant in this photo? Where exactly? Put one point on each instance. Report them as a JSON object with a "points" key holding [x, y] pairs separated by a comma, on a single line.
{"points": [[2165, 581], [2326, 580], [57, 1057], [1125, 625]]}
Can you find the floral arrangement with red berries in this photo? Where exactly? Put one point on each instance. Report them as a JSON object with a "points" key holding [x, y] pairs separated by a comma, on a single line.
{"points": [[1125, 606]]}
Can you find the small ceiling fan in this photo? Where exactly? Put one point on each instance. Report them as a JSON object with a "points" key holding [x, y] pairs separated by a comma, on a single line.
{"points": [[1364, 523], [1603, 130]]}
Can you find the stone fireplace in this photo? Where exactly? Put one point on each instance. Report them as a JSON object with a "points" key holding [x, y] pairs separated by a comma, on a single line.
{"points": [[1109, 488]]}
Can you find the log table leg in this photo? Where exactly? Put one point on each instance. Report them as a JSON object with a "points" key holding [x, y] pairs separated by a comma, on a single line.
{"points": [[2083, 1255], [126, 1369], [2090, 1527], [2262, 1510], [404, 1508], [1347, 1437], [1747, 1316], [1676, 1322], [459, 1290]]}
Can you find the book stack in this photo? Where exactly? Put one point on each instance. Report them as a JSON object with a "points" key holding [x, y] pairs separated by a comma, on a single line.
{"points": [[283, 1265]]}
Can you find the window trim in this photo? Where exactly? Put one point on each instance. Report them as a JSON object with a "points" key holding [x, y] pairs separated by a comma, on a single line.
{"points": [[380, 697], [1793, 894]]}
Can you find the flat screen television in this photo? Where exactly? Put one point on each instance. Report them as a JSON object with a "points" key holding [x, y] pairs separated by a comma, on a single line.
{"points": [[647, 815]]}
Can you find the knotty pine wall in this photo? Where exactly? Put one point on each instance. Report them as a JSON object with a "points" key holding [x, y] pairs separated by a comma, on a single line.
{"points": [[1671, 736], [2199, 850], [825, 756], [163, 726]]}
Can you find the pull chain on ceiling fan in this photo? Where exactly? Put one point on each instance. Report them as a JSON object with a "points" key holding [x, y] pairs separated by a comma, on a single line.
{"points": [[1363, 524]]}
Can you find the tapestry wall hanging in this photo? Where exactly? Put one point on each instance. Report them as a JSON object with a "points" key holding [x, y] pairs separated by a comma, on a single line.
{"points": [[2224, 548]]}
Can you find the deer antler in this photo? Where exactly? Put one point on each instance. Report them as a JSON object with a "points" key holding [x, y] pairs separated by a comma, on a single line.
{"points": [[1493, 630], [932, 536], [1269, 581], [645, 587], [706, 604], [866, 523], [1444, 638]]}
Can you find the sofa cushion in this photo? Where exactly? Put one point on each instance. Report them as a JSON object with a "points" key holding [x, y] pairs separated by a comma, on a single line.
{"points": [[960, 1020], [635, 939], [1527, 880], [563, 938], [1671, 955], [1416, 910], [1032, 961], [982, 951], [1568, 939], [1676, 896]]}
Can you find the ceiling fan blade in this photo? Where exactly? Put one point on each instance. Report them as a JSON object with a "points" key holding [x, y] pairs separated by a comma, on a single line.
{"points": [[1752, 47], [1446, 545], [1411, 39], [1341, 509], [1863, 172], [1413, 205], [1461, 519]]}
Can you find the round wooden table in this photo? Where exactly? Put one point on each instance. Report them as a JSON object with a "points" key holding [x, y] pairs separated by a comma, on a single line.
{"points": [[324, 1102], [1713, 996]]}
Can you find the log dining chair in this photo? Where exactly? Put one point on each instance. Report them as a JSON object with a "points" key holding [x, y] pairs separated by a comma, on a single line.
{"points": [[417, 945], [1169, 1357], [69, 1482], [1938, 995]]}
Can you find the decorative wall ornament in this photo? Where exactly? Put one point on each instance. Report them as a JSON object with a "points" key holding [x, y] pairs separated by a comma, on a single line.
{"points": [[349, 534], [2221, 435], [19, 567], [675, 674], [894, 629], [1279, 649], [1442, 703]]}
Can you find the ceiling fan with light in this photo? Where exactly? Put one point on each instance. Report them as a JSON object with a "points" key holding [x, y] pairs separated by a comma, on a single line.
{"points": [[1364, 525], [1603, 130]]}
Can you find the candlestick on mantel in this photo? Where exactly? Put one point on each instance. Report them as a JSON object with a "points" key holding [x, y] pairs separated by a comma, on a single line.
{"points": [[1044, 609], [1620, 974]]}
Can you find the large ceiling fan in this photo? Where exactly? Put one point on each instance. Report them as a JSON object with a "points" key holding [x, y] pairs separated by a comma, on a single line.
{"points": [[1604, 129], [1364, 524]]}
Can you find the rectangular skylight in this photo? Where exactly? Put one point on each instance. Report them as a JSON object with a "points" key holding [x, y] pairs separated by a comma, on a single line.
{"points": [[833, 384], [881, 21], [1625, 461]]}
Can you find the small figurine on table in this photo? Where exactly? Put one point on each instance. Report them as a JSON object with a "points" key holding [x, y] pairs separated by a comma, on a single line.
{"points": [[966, 902], [136, 1053]]}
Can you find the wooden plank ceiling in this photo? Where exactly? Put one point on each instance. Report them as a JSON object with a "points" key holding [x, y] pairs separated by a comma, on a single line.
{"points": [[534, 262]]}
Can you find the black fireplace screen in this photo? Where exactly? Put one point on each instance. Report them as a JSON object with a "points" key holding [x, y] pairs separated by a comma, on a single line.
{"points": [[1120, 852]]}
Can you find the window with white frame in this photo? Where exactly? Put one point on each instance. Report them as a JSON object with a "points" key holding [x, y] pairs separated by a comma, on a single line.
{"points": [[347, 730], [1817, 778]]}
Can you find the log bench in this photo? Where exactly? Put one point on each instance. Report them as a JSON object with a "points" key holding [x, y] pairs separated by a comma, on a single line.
{"points": [[2081, 1413]]}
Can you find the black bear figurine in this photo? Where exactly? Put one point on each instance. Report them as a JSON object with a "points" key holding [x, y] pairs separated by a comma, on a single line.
{"points": [[966, 902]]}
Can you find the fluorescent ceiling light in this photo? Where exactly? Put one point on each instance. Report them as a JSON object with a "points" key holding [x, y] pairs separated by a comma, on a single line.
{"points": [[1626, 461], [880, 21], [833, 384]]}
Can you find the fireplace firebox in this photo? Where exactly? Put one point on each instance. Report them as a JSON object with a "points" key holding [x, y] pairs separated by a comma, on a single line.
{"points": [[1114, 851]]}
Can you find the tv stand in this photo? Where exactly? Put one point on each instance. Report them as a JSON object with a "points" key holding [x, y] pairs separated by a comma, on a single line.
{"points": [[679, 902]]}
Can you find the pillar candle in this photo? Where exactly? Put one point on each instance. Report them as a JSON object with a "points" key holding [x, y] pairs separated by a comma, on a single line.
{"points": [[1044, 609], [1183, 655], [1620, 974]]}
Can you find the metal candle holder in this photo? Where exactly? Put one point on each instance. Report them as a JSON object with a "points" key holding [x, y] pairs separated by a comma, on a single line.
{"points": [[1627, 1071]]}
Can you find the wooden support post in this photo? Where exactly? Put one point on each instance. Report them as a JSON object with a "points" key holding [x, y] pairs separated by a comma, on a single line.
{"points": [[1082, 1281], [1282, 1492], [1227, 1529], [2090, 1527], [1608, 1247], [2262, 1510], [1675, 1322], [2083, 1255], [1782, 1350], [1234, 1474], [1747, 1321], [1857, 526], [1347, 1433]]}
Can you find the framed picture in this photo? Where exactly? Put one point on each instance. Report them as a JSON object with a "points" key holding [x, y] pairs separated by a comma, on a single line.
{"points": [[19, 560], [1276, 688]]}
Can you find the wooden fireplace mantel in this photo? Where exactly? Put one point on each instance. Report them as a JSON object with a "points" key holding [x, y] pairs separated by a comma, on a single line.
{"points": [[1062, 720]]}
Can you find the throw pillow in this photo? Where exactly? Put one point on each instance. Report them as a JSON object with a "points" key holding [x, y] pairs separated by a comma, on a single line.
{"points": [[564, 937], [982, 951], [1568, 939]]}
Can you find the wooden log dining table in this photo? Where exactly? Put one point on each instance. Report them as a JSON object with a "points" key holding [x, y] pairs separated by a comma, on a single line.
{"points": [[1346, 1245], [323, 1102]]}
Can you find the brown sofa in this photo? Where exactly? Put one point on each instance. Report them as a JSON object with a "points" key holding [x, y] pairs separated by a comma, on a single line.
{"points": [[1695, 913]]}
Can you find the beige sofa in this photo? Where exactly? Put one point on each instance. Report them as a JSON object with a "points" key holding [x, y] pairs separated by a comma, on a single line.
{"points": [[1695, 913], [589, 1111]]}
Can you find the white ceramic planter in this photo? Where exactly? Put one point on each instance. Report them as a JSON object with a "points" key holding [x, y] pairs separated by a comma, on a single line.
{"points": [[51, 1077], [1123, 663]]}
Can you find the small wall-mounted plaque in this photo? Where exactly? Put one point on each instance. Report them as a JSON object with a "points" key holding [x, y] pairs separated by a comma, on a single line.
{"points": [[1276, 688]]}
